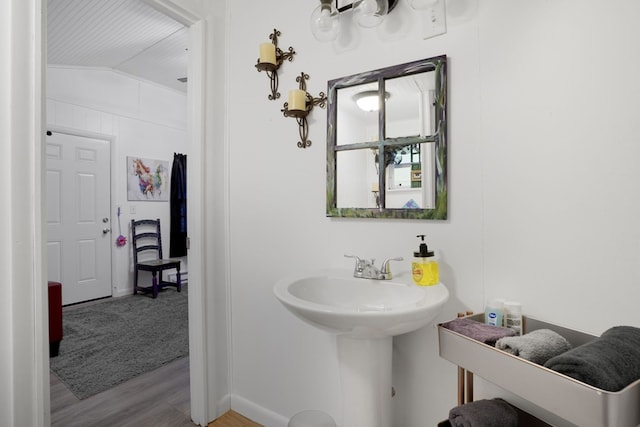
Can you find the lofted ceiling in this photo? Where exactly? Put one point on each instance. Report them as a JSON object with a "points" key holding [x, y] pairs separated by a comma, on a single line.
{"points": [[123, 35]]}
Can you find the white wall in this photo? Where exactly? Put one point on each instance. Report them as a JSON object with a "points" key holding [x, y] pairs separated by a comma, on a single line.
{"points": [[145, 119], [542, 175]]}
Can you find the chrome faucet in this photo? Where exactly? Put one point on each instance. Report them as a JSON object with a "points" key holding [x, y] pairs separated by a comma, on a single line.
{"points": [[365, 269]]}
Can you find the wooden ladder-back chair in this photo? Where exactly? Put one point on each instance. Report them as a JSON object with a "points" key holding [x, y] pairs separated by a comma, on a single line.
{"points": [[146, 237]]}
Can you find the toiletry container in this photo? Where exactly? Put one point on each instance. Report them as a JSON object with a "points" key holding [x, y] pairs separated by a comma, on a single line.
{"points": [[513, 316], [424, 267], [493, 312]]}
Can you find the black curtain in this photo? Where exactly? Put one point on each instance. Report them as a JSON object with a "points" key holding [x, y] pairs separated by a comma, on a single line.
{"points": [[178, 232]]}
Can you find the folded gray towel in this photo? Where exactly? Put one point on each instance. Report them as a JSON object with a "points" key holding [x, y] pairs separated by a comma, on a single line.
{"points": [[610, 362], [487, 334], [537, 346], [484, 413]]}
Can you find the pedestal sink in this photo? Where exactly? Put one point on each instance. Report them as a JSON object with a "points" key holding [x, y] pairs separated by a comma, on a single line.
{"points": [[364, 314]]}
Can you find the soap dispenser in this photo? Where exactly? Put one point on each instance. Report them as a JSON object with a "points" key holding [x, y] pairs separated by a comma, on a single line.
{"points": [[424, 266]]}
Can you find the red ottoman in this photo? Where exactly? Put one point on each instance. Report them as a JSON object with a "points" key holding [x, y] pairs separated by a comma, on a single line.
{"points": [[55, 318]]}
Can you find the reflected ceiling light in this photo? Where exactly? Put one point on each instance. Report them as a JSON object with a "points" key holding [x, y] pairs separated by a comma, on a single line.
{"points": [[368, 100], [325, 19]]}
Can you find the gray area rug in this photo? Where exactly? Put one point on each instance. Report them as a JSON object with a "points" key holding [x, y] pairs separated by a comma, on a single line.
{"points": [[109, 342]]}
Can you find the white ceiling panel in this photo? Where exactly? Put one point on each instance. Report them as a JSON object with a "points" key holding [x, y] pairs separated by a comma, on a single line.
{"points": [[164, 62], [124, 35]]}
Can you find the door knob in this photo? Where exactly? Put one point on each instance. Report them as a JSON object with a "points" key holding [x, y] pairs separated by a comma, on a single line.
{"points": [[106, 230]]}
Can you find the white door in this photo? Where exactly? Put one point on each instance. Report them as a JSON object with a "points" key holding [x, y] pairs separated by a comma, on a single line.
{"points": [[78, 189]]}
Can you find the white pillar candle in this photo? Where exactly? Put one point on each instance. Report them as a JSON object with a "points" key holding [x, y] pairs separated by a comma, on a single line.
{"points": [[268, 53], [374, 187], [297, 100]]}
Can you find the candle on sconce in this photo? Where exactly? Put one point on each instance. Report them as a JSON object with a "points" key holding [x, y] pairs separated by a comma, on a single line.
{"points": [[268, 53], [374, 187], [297, 100]]}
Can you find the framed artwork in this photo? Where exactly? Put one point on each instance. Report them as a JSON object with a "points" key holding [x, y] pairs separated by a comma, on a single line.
{"points": [[147, 179]]}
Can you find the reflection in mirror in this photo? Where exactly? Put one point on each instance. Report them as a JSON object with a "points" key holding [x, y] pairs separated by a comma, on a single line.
{"points": [[356, 169], [410, 111], [407, 123], [357, 124], [410, 178]]}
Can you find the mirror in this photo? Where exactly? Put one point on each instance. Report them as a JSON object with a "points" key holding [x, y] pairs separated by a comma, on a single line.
{"points": [[386, 142]]}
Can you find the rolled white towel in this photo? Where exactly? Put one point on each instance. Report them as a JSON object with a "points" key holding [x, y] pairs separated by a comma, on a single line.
{"points": [[537, 346]]}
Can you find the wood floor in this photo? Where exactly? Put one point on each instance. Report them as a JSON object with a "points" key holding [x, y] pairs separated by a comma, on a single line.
{"points": [[159, 398], [233, 419]]}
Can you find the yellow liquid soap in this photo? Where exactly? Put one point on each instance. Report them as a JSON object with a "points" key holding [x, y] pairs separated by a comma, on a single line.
{"points": [[425, 273]]}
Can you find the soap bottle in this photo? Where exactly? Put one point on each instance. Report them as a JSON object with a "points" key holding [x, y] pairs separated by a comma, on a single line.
{"points": [[424, 267], [493, 312]]}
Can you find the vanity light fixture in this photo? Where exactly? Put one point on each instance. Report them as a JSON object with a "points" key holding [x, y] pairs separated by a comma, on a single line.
{"points": [[325, 19], [422, 4], [368, 100], [371, 13], [300, 105], [271, 57]]}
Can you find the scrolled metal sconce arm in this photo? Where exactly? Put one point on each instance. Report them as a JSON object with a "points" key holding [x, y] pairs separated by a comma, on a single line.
{"points": [[271, 58], [301, 103]]}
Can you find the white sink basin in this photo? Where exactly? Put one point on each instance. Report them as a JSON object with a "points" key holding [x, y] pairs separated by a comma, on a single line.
{"points": [[337, 302], [364, 314]]}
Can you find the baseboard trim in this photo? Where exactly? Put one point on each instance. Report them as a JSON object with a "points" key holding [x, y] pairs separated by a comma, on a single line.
{"points": [[223, 405], [257, 413]]}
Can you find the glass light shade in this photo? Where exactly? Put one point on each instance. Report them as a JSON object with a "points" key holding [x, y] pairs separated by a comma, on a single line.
{"points": [[423, 4], [325, 22], [368, 100], [370, 13]]}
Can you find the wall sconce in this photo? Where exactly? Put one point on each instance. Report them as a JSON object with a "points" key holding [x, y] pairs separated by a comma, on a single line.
{"points": [[300, 105], [271, 57], [325, 19]]}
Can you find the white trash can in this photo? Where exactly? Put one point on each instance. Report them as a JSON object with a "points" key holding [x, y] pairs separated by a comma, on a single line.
{"points": [[311, 418]]}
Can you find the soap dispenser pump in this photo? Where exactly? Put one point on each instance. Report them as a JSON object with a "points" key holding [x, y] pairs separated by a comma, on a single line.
{"points": [[424, 267]]}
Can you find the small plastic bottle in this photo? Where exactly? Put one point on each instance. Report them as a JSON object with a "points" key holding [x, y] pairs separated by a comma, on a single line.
{"points": [[513, 316], [493, 312], [424, 267]]}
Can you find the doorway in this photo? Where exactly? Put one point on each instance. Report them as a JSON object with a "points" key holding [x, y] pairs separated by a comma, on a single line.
{"points": [[26, 360], [201, 409]]}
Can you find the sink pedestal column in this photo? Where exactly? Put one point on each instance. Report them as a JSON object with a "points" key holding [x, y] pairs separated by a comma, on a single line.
{"points": [[365, 374]]}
